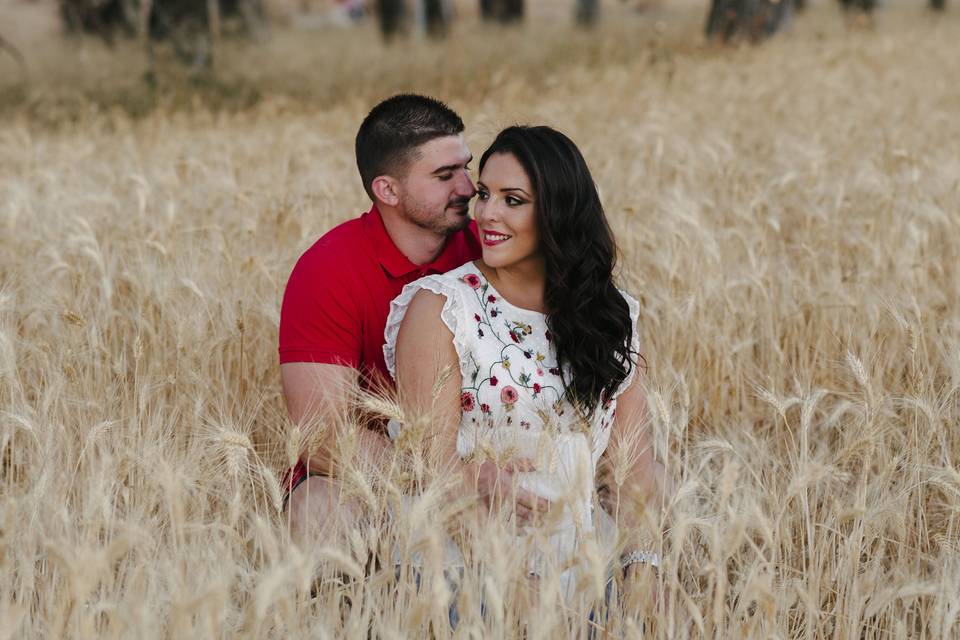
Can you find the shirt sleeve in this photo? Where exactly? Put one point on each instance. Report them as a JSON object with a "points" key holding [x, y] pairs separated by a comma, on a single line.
{"points": [[320, 318]]}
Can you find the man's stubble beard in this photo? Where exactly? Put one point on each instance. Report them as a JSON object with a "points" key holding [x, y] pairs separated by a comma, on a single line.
{"points": [[443, 223]]}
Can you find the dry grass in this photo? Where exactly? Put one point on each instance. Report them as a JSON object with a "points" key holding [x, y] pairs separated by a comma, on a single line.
{"points": [[788, 216]]}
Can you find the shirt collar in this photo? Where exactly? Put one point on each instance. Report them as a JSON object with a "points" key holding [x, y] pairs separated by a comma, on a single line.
{"points": [[393, 260]]}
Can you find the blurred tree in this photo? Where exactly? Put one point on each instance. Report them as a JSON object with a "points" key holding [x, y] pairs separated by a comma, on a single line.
{"points": [[192, 27], [431, 17], [436, 17], [391, 14], [104, 19], [863, 6], [586, 12], [502, 11], [938, 5], [13, 52], [752, 20]]}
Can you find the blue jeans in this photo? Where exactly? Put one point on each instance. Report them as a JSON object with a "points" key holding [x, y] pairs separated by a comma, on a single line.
{"points": [[453, 583]]}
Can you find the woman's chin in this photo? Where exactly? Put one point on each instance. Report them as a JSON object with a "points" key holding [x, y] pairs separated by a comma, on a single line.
{"points": [[491, 259], [502, 259]]}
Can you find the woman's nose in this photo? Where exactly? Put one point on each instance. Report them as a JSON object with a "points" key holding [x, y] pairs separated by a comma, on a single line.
{"points": [[487, 211]]}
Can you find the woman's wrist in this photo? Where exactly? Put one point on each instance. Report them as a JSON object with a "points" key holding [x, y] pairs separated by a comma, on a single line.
{"points": [[639, 557]]}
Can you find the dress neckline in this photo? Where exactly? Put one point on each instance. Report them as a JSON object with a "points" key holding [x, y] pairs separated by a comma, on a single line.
{"points": [[500, 296]]}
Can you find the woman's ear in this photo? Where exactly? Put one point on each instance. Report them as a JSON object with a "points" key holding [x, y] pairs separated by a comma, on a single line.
{"points": [[386, 190]]}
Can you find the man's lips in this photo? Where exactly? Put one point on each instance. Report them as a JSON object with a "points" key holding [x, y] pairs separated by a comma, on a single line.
{"points": [[460, 207], [492, 238]]}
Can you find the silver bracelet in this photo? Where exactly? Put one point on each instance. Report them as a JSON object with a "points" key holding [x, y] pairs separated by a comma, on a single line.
{"points": [[651, 558]]}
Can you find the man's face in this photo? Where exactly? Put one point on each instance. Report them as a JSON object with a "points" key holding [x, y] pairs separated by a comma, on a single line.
{"points": [[435, 194]]}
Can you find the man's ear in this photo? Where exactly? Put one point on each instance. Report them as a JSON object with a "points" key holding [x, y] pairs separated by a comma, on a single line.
{"points": [[386, 190]]}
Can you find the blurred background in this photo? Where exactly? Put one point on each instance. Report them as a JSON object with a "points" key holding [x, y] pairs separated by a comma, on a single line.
{"points": [[140, 54], [783, 181]]}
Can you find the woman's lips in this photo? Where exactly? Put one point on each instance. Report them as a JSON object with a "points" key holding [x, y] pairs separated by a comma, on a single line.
{"points": [[491, 239]]}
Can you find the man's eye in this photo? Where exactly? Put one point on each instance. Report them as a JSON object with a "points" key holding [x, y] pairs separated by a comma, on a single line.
{"points": [[445, 176]]}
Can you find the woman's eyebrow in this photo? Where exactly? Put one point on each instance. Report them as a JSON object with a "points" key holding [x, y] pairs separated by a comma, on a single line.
{"points": [[506, 189]]}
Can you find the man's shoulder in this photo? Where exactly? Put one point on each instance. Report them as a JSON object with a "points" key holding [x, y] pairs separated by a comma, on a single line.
{"points": [[337, 251]]}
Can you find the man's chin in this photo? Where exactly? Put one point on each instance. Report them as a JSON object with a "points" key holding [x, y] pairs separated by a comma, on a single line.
{"points": [[461, 221]]}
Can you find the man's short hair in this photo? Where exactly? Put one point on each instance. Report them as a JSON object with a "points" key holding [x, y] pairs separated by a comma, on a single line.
{"points": [[388, 139]]}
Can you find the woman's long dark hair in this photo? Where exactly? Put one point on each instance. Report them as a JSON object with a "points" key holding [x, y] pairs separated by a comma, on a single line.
{"points": [[589, 319]]}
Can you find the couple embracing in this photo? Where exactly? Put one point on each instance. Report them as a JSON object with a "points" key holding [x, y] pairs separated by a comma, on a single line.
{"points": [[516, 314]]}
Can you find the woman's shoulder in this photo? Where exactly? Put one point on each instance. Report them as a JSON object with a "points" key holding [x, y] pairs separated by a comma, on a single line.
{"points": [[466, 276], [632, 303], [423, 302], [451, 284]]}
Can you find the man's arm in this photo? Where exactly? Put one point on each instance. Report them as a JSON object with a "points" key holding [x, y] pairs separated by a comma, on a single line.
{"points": [[319, 401]]}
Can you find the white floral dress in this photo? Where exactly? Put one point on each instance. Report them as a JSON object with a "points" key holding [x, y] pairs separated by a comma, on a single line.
{"points": [[513, 398]]}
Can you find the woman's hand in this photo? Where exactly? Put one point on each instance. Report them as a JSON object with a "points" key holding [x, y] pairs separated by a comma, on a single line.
{"points": [[639, 588], [497, 488]]}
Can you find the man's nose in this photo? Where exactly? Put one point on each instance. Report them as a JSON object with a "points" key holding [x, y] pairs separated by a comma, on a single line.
{"points": [[465, 188]]}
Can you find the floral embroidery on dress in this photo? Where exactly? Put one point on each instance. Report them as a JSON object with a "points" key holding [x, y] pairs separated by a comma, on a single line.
{"points": [[510, 376], [513, 394]]}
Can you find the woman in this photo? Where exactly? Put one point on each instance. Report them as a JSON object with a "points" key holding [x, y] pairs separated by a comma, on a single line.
{"points": [[542, 346]]}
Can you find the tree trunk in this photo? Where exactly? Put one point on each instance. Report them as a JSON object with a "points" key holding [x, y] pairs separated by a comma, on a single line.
{"points": [[752, 20], [864, 6], [514, 11], [437, 17], [587, 12], [14, 53], [938, 5], [486, 9], [216, 31], [502, 11], [391, 14]]}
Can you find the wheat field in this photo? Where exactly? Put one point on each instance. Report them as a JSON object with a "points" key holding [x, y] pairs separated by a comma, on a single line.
{"points": [[788, 215]]}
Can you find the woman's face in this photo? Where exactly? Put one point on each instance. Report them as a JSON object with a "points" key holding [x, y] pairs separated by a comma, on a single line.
{"points": [[505, 212]]}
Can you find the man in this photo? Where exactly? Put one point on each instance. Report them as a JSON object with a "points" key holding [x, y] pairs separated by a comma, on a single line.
{"points": [[413, 160]]}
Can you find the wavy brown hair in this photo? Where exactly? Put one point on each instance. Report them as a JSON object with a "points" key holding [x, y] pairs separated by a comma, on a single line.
{"points": [[589, 319]]}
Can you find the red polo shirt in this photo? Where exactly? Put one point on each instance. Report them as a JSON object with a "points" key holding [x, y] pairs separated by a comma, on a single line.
{"points": [[337, 299]]}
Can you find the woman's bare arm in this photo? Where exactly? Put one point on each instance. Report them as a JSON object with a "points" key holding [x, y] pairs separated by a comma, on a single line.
{"points": [[429, 384], [636, 480], [428, 373]]}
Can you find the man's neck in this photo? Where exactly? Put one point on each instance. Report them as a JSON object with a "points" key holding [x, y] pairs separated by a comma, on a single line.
{"points": [[419, 245]]}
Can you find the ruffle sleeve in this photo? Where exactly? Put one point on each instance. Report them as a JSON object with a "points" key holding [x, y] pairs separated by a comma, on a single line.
{"points": [[452, 316]]}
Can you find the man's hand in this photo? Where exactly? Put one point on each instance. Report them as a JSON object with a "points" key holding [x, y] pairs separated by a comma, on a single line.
{"points": [[496, 486]]}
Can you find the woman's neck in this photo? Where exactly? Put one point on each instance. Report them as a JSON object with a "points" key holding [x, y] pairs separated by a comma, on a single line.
{"points": [[522, 284]]}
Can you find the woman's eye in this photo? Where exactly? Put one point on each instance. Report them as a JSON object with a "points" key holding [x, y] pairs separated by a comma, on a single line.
{"points": [[512, 201], [481, 195]]}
